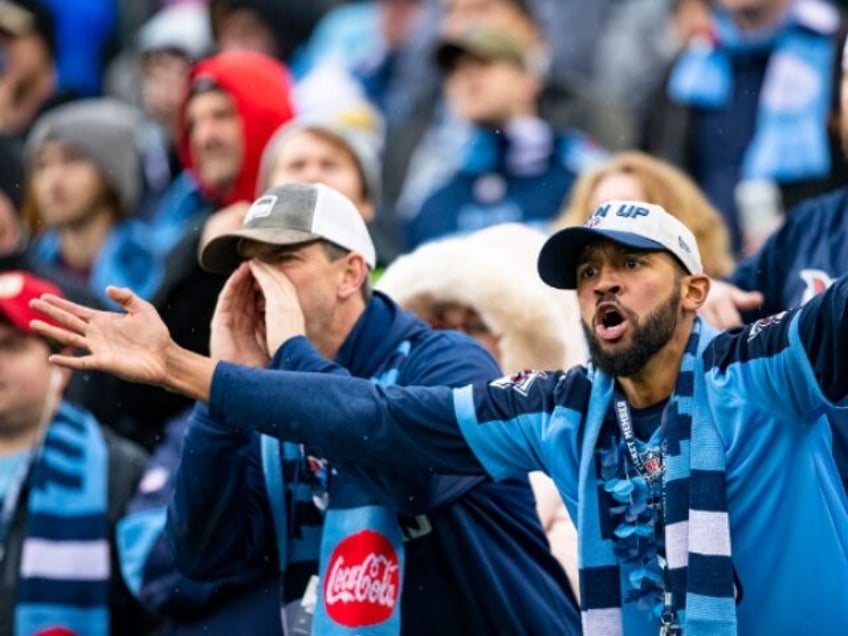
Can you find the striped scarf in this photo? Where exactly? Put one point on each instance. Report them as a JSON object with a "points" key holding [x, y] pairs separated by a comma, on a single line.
{"points": [[345, 530], [697, 532], [65, 559]]}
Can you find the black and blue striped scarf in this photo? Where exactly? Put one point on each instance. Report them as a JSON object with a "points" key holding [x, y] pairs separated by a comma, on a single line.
{"points": [[65, 564], [697, 532]]}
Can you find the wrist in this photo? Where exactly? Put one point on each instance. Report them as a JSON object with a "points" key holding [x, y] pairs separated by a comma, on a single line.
{"points": [[188, 373]]}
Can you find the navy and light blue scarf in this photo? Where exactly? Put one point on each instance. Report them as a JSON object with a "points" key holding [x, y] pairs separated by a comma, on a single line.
{"points": [[697, 532], [65, 560], [368, 536], [790, 141]]}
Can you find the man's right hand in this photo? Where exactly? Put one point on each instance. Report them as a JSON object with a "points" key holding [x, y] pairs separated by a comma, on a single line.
{"points": [[724, 303], [134, 345], [238, 327]]}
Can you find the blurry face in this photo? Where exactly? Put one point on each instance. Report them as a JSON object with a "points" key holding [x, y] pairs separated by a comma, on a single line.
{"points": [[616, 186], [490, 91], [25, 378], [463, 318], [311, 157], [314, 276], [161, 72], [244, 30], [68, 188], [630, 304], [216, 139]]}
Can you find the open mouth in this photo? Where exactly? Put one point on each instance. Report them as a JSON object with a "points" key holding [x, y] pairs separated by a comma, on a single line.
{"points": [[610, 323]]}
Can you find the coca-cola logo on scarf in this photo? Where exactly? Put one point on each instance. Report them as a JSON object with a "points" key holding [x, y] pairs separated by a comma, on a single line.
{"points": [[363, 579]]}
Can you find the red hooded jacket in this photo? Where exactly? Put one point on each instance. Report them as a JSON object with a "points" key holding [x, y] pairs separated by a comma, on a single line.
{"points": [[260, 86]]}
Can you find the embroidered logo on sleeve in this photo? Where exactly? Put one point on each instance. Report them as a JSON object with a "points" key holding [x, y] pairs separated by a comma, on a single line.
{"points": [[520, 382], [761, 324]]}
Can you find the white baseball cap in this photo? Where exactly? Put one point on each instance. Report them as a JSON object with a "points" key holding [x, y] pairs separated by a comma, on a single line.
{"points": [[292, 214], [637, 224]]}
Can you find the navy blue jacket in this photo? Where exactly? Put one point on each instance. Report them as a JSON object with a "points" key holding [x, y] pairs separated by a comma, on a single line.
{"points": [[487, 190], [485, 568], [799, 261], [802, 258]]}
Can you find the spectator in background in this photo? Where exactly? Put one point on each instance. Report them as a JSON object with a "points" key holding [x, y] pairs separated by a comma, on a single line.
{"points": [[28, 82], [231, 104], [277, 28], [167, 46], [84, 181], [747, 111], [517, 167], [93, 391], [484, 285], [64, 483], [640, 177]]}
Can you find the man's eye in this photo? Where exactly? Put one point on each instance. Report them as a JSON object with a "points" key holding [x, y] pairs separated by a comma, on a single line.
{"points": [[587, 271], [632, 262]]}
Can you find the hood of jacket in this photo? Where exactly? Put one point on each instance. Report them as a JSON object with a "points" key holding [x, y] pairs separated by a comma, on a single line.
{"points": [[493, 271], [260, 86]]}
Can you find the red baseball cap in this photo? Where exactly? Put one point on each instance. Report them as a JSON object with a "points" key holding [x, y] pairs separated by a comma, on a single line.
{"points": [[16, 290]]}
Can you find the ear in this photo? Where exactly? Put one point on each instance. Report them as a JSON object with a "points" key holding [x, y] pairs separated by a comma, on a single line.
{"points": [[353, 275], [695, 289]]}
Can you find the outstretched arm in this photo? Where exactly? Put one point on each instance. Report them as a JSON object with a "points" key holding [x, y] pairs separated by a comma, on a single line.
{"points": [[134, 345]]}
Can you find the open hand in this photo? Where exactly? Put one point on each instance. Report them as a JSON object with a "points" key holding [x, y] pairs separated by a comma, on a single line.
{"points": [[132, 345], [238, 325]]}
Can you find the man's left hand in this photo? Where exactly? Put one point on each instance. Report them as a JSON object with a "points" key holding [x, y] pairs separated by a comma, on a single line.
{"points": [[283, 314]]}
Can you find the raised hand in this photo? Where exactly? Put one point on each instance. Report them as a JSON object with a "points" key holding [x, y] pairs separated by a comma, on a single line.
{"points": [[238, 325], [283, 314], [133, 345]]}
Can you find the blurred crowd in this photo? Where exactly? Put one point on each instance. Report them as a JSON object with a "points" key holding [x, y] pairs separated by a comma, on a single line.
{"points": [[463, 131]]}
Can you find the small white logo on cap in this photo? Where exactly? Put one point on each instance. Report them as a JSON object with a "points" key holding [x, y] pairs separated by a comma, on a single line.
{"points": [[11, 285], [261, 208]]}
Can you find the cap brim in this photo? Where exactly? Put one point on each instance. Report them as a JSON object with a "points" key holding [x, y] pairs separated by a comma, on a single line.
{"points": [[558, 258], [448, 53], [221, 255]]}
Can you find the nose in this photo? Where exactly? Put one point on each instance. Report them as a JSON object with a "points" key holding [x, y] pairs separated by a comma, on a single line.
{"points": [[607, 282], [310, 173], [202, 131]]}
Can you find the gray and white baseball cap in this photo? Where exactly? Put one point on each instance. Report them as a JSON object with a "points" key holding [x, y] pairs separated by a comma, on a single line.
{"points": [[644, 226], [292, 214]]}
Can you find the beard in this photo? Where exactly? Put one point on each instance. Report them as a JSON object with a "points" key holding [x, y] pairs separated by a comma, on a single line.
{"points": [[649, 335]]}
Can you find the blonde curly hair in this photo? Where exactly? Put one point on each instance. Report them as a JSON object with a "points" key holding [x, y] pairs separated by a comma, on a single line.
{"points": [[664, 185]]}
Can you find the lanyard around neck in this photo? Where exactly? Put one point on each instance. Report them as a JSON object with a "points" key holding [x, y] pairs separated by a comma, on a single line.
{"points": [[649, 463]]}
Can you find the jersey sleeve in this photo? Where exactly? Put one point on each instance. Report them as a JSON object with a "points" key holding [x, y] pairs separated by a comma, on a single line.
{"points": [[527, 421], [791, 362]]}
